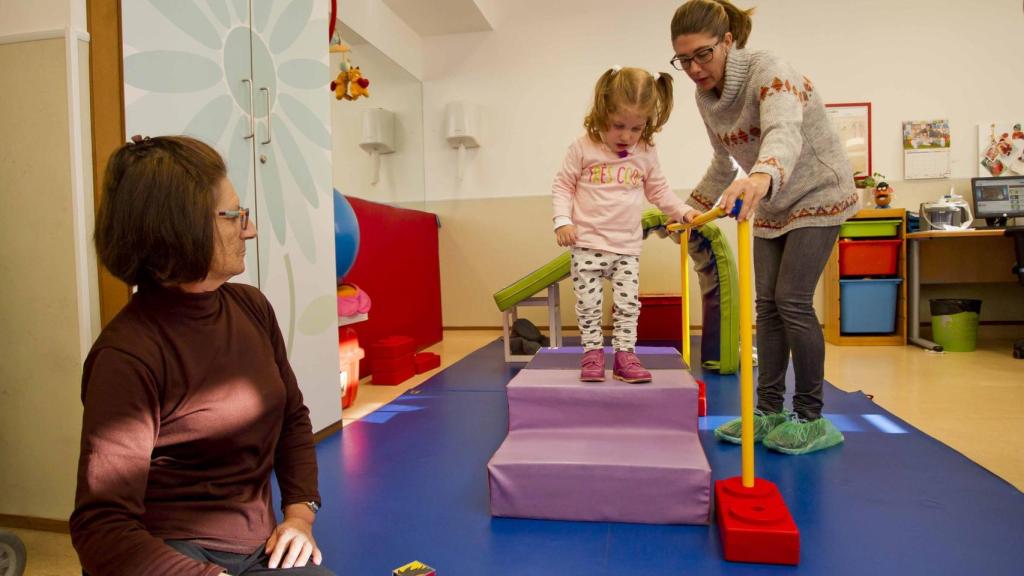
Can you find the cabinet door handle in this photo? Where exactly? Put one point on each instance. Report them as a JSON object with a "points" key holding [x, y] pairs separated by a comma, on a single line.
{"points": [[252, 129], [266, 94]]}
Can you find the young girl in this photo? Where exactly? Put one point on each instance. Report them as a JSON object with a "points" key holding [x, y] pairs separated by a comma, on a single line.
{"points": [[598, 199], [761, 112]]}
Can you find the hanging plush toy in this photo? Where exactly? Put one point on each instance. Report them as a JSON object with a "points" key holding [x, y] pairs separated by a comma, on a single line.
{"points": [[350, 84], [340, 86], [358, 86]]}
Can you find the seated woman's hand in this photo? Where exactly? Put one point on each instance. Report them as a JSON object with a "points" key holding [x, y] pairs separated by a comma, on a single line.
{"points": [[292, 544]]}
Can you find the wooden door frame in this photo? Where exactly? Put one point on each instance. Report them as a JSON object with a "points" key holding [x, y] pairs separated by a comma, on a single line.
{"points": [[106, 92]]}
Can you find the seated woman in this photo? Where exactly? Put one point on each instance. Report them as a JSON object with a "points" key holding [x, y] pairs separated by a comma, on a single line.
{"points": [[190, 402]]}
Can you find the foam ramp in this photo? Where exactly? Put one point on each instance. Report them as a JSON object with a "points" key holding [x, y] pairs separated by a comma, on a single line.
{"points": [[604, 451]]}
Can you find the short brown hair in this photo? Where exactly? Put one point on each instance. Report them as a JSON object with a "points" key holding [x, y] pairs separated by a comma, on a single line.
{"points": [[713, 17], [155, 220], [635, 89]]}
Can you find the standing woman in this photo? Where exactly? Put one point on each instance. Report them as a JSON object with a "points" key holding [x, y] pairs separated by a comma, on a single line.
{"points": [[799, 188]]}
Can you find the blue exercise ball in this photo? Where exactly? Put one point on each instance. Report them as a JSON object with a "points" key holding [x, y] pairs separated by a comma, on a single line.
{"points": [[346, 235]]}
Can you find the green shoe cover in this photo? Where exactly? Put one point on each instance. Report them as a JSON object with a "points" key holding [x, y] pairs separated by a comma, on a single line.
{"points": [[732, 430], [798, 436]]}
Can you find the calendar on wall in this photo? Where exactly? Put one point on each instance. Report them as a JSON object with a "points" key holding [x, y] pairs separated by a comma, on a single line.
{"points": [[926, 149]]}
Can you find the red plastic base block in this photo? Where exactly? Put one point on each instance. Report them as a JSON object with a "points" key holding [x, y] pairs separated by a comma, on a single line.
{"points": [[702, 399], [393, 377], [392, 361], [426, 361], [754, 523], [383, 364], [393, 347], [414, 568]]}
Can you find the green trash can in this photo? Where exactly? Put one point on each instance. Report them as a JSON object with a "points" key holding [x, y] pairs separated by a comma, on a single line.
{"points": [[955, 323]]}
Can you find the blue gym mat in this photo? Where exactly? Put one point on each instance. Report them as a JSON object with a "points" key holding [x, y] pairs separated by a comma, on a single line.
{"points": [[409, 482]]}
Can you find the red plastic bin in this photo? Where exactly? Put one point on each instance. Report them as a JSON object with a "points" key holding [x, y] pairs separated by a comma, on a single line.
{"points": [[349, 355], [868, 257]]}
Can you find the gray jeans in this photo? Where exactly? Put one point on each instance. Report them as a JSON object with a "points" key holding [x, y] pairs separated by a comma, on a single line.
{"points": [[247, 565], [786, 271]]}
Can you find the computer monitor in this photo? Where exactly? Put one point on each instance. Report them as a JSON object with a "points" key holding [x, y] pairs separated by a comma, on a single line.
{"points": [[998, 198]]}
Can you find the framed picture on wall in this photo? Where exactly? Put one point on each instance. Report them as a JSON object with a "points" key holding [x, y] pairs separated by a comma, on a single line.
{"points": [[852, 122]]}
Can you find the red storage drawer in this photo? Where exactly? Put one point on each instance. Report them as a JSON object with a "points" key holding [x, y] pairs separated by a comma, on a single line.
{"points": [[868, 257], [661, 317]]}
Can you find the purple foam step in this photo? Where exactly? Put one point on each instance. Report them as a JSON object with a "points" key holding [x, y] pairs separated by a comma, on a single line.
{"points": [[557, 399], [612, 475]]}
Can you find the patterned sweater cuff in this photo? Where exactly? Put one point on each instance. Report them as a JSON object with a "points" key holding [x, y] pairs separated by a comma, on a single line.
{"points": [[773, 168], [700, 201]]}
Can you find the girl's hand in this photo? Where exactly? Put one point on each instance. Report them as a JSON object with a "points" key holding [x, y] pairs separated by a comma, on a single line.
{"points": [[751, 190], [566, 235], [292, 544], [690, 214]]}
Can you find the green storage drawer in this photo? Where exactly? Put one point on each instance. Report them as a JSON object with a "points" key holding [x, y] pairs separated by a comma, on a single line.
{"points": [[870, 228]]}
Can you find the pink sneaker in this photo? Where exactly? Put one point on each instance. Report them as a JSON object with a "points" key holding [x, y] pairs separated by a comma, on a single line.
{"points": [[628, 368], [592, 366]]}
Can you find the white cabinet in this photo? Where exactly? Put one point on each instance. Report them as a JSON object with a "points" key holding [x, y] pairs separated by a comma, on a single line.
{"points": [[250, 77]]}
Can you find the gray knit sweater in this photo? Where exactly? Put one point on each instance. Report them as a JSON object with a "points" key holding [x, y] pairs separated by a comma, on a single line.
{"points": [[772, 121]]}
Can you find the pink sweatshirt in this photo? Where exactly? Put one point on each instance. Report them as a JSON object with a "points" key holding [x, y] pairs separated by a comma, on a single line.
{"points": [[603, 195]]}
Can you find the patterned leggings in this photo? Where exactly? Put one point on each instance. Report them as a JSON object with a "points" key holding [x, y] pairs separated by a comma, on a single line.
{"points": [[589, 266]]}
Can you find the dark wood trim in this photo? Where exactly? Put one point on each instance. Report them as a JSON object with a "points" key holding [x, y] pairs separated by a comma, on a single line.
{"points": [[319, 436], [106, 93], [32, 523]]}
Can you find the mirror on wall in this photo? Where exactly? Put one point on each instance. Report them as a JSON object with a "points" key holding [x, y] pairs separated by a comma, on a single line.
{"points": [[385, 165]]}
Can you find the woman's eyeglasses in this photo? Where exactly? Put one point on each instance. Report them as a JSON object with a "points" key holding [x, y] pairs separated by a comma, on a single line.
{"points": [[242, 213], [702, 56]]}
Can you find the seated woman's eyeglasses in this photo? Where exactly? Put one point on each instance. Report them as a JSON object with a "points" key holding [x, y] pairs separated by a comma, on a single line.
{"points": [[242, 213], [702, 56]]}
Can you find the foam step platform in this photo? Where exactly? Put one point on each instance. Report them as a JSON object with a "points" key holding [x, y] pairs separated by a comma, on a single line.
{"points": [[602, 451], [642, 476], [557, 399]]}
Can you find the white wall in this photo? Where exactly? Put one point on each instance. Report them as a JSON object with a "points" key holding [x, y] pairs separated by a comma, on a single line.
{"points": [[401, 172], [533, 76], [50, 312], [30, 16], [378, 24]]}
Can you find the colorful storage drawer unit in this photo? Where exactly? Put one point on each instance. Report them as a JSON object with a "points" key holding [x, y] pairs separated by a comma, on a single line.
{"points": [[868, 257], [887, 228], [868, 306]]}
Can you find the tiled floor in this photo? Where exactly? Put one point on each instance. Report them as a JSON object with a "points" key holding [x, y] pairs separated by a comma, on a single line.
{"points": [[974, 402]]}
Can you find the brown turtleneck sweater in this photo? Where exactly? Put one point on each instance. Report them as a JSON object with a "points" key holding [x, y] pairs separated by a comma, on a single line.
{"points": [[190, 403]]}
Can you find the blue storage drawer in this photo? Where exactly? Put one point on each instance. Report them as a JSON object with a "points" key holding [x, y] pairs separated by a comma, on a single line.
{"points": [[868, 306]]}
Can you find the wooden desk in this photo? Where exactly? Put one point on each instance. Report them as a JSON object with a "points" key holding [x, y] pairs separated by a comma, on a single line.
{"points": [[955, 257]]}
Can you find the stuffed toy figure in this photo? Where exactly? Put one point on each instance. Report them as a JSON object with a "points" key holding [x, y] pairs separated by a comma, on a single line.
{"points": [[350, 84], [358, 86]]}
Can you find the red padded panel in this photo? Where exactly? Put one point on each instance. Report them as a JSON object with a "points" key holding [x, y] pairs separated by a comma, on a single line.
{"points": [[397, 265]]}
